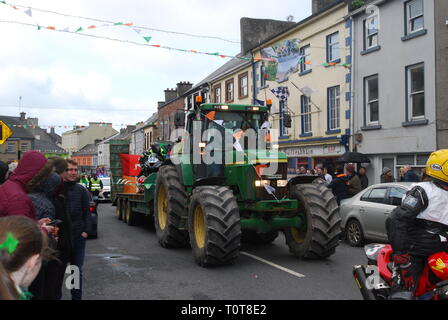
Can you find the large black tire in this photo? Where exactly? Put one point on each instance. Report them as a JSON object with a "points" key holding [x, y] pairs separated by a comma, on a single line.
{"points": [[170, 202], [119, 209], [250, 236], [129, 216], [320, 235], [214, 226]]}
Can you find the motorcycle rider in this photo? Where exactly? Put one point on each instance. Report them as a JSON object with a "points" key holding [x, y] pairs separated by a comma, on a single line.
{"points": [[419, 227]]}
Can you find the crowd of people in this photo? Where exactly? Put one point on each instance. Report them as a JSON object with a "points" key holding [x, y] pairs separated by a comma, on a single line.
{"points": [[44, 223]]}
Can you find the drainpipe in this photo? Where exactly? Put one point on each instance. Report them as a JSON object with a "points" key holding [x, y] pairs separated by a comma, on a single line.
{"points": [[254, 80], [352, 86]]}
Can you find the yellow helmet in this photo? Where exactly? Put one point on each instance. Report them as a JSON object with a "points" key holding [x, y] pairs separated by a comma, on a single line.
{"points": [[437, 165]]}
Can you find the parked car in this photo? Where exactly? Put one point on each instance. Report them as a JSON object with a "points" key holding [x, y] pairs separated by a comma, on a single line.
{"points": [[105, 192], [364, 215]]}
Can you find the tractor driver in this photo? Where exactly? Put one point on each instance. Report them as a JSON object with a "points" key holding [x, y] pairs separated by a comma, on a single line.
{"points": [[419, 227]]}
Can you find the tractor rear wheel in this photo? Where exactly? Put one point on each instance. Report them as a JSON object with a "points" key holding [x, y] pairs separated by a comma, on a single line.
{"points": [[169, 208], [319, 236], [250, 236], [214, 226]]}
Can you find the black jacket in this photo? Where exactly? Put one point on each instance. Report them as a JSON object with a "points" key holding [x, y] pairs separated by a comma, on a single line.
{"points": [[78, 207], [411, 176], [364, 181], [339, 187]]}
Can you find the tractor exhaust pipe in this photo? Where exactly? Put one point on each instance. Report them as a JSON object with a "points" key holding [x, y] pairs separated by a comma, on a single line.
{"points": [[361, 280]]}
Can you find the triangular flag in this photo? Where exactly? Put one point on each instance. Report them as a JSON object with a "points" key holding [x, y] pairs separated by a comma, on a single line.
{"points": [[4, 2], [129, 24], [39, 27], [118, 23], [156, 45], [211, 115], [79, 29], [147, 38], [137, 30], [51, 28], [28, 12], [92, 27]]}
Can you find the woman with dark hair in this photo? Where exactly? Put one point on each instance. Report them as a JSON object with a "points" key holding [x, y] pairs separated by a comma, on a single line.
{"points": [[23, 247]]}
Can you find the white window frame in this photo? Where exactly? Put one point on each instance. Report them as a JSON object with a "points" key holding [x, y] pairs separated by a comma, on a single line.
{"points": [[330, 48], [306, 58], [243, 86], [217, 94], [369, 101], [409, 19], [411, 94], [334, 108], [305, 107], [23, 147], [11, 147], [368, 36], [282, 108]]}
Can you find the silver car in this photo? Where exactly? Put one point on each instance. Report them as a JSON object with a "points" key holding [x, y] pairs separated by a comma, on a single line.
{"points": [[364, 215]]}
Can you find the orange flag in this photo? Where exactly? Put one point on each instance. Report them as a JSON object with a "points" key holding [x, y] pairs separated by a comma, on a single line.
{"points": [[91, 27], [128, 24], [51, 28], [211, 115]]}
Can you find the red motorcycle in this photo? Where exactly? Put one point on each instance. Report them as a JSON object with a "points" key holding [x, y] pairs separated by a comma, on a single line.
{"points": [[374, 279]]}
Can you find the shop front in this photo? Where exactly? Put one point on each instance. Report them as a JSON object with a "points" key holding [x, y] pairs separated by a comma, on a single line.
{"points": [[311, 156]]}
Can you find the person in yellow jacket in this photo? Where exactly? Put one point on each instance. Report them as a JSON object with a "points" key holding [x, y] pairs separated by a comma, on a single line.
{"points": [[95, 185]]}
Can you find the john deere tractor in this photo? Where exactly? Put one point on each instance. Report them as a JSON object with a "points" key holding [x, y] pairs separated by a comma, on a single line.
{"points": [[214, 206]]}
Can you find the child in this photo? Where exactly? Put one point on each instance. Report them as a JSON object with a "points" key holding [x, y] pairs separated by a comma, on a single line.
{"points": [[23, 247]]}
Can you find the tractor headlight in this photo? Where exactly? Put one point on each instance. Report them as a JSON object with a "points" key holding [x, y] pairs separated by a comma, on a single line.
{"points": [[260, 183], [202, 144], [275, 147], [282, 183]]}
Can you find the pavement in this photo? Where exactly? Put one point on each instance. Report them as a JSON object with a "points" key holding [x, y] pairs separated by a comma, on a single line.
{"points": [[128, 263]]}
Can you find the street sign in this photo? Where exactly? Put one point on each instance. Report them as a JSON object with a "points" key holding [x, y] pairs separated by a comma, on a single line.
{"points": [[5, 132]]}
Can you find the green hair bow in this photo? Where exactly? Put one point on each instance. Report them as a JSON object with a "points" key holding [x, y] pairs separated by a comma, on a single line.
{"points": [[10, 244]]}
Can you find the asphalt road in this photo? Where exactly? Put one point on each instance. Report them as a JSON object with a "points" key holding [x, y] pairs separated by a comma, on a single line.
{"points": [[128, 263]]}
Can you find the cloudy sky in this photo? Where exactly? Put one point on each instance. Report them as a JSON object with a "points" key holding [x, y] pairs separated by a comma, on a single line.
{"points": [[66, 79]]}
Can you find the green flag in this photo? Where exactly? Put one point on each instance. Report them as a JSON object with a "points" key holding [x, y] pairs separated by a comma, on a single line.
{"points": [[147, 38], [79, 29], [118, 23]]}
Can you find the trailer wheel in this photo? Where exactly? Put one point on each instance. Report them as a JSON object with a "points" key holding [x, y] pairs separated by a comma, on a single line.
{"points": [[214, 226], [319, 236], [169, 208], [118, 209], [129, 215]]}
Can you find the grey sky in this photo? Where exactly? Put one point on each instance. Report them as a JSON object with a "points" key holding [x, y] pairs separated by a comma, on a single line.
{"points": [[62, 70]]}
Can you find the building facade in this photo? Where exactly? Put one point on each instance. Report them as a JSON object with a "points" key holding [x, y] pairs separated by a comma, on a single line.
{"points": [[317, 95], [395, 84], [76, 139], [103, 147]]}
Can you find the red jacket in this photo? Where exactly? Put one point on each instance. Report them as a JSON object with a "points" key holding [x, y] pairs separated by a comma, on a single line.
{"points": [[13, 198]]}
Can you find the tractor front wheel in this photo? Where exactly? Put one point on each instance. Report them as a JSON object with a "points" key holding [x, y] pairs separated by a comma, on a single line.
{"points": [[170, 203], [319, 235], [214, 226]]}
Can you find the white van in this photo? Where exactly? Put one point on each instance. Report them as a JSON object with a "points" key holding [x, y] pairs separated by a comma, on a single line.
{"points": [[105, 192]]}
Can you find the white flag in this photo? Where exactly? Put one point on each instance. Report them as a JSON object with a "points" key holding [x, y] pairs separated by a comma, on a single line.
{"points": [[28, 12]]}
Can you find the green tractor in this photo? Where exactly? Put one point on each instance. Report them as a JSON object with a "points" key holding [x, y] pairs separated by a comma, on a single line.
{"points": [[216, 206]]}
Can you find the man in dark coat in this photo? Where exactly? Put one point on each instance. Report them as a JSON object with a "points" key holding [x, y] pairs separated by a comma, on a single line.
{"points": [[78, 207], [339, 185], [363, 177], [354, 183], [410, 175]]}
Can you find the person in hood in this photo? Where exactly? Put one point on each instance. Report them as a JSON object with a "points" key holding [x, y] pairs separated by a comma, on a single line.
{"points": [[3, 171], [31, 170]]}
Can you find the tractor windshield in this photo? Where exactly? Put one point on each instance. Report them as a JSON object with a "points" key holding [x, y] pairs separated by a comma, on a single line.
{"points": [[238, 120]]}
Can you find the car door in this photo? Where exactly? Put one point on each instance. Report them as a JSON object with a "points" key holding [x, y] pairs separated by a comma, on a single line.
{"points": [[374, 210], [393, 199]]}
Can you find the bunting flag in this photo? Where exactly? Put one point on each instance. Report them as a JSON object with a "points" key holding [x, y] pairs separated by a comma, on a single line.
{"points": [[282, 93], [28, 12]]}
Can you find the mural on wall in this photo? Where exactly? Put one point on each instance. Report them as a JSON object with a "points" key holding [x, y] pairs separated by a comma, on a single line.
{"points": [[284, 58]]}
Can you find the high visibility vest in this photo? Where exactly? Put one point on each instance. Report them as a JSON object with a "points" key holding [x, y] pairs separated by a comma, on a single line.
{"points": [[95, 185]]}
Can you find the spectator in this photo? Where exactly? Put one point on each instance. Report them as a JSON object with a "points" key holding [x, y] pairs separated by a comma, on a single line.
{"points": [[302, 170], [60, 164], [77, 204], [410, 175], [319, 171], [32, 168], [387, 176], [354, 183], [363, 177], [401, 175], [43, 288], [339, 185], [23, 247], [326, 174], [3, 171]]}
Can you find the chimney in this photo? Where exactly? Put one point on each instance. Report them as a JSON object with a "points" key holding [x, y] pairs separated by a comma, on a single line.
{"points": [[170, 95], [52, 131], [22, 117], [160, 104], [318, 5], [183, 87]]}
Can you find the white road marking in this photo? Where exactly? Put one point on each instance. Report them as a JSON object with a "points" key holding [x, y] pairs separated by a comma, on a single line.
{"points": [[299, 275]]}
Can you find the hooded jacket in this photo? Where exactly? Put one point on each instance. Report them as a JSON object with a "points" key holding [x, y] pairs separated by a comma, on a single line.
{"points": [[43, 196], [13, 198]]}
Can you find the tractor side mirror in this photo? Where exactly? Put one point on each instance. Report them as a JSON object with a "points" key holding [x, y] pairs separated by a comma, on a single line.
{"points": [[179, 119], [287, 122]]}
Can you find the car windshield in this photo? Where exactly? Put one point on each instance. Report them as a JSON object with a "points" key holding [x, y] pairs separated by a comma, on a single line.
{"points": [[106, 182]]}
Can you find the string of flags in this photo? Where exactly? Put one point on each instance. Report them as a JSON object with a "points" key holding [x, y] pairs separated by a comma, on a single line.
{"points": [[29, 126], [147, 38]]}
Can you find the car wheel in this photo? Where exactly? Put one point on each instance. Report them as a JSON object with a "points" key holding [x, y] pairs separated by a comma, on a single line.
{"points": [[354, 233]]}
